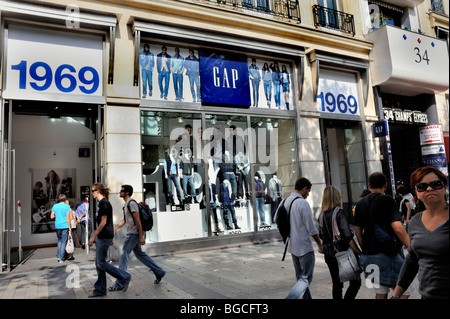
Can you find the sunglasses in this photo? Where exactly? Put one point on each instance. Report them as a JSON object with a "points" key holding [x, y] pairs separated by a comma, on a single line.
{"points": [[94, 190], [437, 184]]}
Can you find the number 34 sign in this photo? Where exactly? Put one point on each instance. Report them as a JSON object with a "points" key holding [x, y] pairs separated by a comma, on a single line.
{"points": [[44, 64], [337, 93]]}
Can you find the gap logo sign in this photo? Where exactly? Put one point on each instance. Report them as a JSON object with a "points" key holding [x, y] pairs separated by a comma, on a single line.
{"points": [[225, 79]]}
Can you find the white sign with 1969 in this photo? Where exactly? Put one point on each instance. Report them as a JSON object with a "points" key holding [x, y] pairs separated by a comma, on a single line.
{"points": [[337, 93], [46, 64]]}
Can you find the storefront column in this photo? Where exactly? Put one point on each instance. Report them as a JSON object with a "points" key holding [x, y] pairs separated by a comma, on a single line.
{"points": [[122, 158], [311, 158]]}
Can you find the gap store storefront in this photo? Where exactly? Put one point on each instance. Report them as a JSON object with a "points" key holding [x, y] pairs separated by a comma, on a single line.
{"points": [[218, 133]]}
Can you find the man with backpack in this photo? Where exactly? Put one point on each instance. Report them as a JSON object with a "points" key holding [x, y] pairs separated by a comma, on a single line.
{"points": [[302, 228], [381, 235], [134, 237]]}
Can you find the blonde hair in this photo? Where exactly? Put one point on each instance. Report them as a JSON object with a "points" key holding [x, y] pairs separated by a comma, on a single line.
{"points": [[102, 189], [331, 198]]}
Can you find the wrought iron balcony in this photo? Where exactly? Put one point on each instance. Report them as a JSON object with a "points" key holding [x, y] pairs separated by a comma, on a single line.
{"points": [[283, 9], [333, 19]]}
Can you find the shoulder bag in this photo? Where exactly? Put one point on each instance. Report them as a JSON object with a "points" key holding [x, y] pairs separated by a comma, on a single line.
{"points": [[348, 264]]}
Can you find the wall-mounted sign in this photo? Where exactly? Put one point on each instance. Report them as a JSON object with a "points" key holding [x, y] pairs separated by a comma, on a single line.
{"points": [[405, 116], [431, 134], [433, 147], [43, 64], [337, 93], [225, 80], [380, 128]]}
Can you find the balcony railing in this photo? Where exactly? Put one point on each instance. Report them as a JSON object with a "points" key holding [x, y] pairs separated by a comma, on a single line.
{"points": [[284, 9], [333, 19]]}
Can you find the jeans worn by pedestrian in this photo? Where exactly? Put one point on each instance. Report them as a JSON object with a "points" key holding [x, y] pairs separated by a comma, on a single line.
{"points": [[304, 268], [103, 267], [62, 235], [132, 243]]}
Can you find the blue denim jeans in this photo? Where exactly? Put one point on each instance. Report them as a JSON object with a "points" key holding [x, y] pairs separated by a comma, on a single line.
{"points": [[268, 91], [276, 93], [304, 268], [164, 76], [178, 85], [188, 179], [103, 267], [388, 267], [193, 80], [147, 80], [255, 86], [260, 209], [173, 178], [62, 235], [132, 243], [228, 207]]}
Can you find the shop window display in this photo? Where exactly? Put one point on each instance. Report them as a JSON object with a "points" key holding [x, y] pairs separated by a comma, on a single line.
{"points": [[275, 168], [229, 174]]}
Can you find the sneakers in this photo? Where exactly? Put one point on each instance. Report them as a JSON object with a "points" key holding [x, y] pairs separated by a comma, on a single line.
{"points": [[158, 279], [124, 288]]}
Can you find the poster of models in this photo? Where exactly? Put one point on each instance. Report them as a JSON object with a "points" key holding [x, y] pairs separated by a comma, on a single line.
{"points": [[47, 185], [173, 73]]}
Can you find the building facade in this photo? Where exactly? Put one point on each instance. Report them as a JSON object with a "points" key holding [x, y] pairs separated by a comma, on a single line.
{"points": [[211, 110]]}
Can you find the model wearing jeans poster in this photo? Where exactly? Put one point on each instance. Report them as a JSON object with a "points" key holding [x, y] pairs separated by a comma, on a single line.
{"points": [[255, 78], [163, 67], [147, 62], [192, 66]]}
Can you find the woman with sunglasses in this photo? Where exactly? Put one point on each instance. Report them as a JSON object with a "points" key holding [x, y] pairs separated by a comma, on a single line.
{"points": [[428, 254]]}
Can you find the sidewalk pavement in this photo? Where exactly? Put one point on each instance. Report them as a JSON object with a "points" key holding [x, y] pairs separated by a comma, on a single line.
{"points": [[248, 271]]}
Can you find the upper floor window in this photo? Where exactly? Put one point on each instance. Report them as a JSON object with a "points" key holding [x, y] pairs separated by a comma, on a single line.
{"points": [[437, 6], [382, 13]]}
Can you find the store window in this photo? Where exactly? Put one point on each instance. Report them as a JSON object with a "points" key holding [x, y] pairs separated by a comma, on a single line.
{"points": [[173, 176], [274, 164], [226, 151], [227, 171]]}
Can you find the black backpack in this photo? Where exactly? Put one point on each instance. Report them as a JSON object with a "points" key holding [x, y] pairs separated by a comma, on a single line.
{"points": [[145, 215], [282, 219]]}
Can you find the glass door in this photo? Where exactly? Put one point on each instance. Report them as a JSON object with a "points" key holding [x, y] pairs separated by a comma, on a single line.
{"points": [[342, 144], [7, 186]]}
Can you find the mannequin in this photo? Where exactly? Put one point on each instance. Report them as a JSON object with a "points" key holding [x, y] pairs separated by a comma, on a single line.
{"points": [[275, 194], [260, 195], [227, 198], [171, 173]]}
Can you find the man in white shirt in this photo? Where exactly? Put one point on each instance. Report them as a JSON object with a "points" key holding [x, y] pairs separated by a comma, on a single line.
{"points": [[300, 245]]}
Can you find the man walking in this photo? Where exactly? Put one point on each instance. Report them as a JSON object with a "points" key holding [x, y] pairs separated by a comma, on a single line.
{"points": [[134, 238], [380, 211], [300, 245]]}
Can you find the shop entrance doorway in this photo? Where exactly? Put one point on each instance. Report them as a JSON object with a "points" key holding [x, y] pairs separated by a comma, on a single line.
{"points": [[406, 151], [345, 167], [48, 148]]}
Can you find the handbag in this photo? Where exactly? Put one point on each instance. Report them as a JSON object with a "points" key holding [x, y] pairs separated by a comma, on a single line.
{"points": [[69, 244], [348, 263], [349, 267]]}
